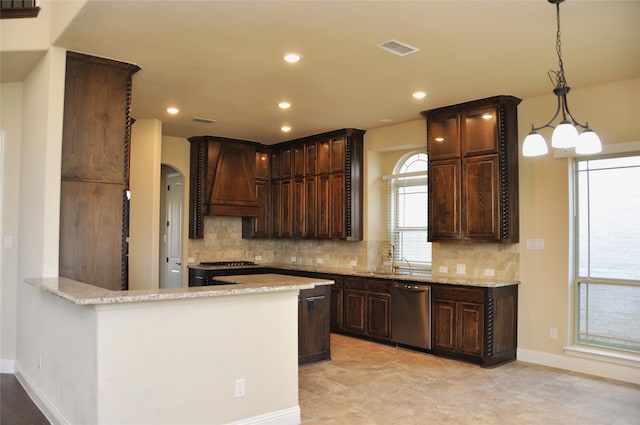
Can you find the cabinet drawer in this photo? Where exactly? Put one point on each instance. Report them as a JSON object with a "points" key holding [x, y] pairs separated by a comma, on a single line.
{"points": [[379, 285], [357, 283], [459, 294]]}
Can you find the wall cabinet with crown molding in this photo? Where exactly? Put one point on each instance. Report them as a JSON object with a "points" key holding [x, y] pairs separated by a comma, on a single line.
{"points": [[473, 170]]}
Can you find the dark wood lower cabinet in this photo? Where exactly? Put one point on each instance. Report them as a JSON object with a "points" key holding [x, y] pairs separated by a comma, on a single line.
{"points": [[314, 338], [367, 307], [475, 324]]}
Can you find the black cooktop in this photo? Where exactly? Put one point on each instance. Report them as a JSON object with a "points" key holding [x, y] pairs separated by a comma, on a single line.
{"points": [[227, 263]]}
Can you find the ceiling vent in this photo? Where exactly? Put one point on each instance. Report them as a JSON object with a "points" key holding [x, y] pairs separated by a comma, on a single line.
{"points": [[204, 120], [397, 48]]}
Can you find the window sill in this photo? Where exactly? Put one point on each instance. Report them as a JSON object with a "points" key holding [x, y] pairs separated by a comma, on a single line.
{"points": [[602, 354]]}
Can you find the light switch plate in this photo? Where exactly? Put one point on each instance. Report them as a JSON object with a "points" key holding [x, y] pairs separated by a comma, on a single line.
{"points": [[536, 244], [258, 257], [293, 259]]}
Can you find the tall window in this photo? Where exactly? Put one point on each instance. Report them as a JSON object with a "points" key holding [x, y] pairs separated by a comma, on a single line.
{"points": [[608, 252], [408, 202]]}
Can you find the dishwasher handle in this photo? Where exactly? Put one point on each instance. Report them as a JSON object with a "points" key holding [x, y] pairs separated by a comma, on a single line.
{"points": [[411, 287]]}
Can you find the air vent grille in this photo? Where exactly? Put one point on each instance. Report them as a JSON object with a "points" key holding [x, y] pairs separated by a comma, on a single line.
{"points": [[204, 120], [397, 48]]}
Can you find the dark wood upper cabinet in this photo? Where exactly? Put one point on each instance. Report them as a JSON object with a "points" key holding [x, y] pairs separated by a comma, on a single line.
{"points": [[316, 188], [94, 207], [473, 170]]}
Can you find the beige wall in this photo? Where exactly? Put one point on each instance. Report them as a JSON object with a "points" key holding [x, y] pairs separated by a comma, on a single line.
{"points": [[144, 240], [546, 290], [11, 136]]}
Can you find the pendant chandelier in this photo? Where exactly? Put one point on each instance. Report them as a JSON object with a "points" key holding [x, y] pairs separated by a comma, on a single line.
{"points": [[565, 135]]}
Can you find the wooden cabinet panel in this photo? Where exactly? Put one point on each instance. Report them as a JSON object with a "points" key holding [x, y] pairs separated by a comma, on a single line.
{"points": [[323, 159], [282, 196], [444, 199], [286, 162], [324, 207], [310, 168], [276, 165], [479, 128], [96, 119], [298, 160], [481, 196], [310, 207], [298, 208], [337, 154], [262, 165], [313, 325], [355, 306], [91, 233], [443, 139], [378, 315], [444, 324], [470, 328]]}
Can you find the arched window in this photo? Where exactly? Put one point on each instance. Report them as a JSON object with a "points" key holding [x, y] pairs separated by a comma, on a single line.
{"points": [[408, 202]]}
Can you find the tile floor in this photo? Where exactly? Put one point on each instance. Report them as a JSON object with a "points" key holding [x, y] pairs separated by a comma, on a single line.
{"points": [[369, 383]]}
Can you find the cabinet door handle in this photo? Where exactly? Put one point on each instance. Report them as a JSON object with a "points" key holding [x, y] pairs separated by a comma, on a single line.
{"points": [[319, 297]]}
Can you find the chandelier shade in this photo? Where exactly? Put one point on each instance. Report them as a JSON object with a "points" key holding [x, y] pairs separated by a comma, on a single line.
{"points": [[565, 134]]}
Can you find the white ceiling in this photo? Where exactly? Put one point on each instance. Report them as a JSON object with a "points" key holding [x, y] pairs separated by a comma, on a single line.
{"points": [[223, 59]]}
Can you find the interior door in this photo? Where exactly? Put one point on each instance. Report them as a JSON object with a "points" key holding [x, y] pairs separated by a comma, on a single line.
{"points": [[173, 231]]}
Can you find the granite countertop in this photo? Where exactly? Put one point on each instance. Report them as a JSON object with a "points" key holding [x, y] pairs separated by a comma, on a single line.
{"points": [[418, 278], [85, 294]]}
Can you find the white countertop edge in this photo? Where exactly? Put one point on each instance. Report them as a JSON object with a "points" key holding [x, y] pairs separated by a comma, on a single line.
{"points": [[84, 294]]}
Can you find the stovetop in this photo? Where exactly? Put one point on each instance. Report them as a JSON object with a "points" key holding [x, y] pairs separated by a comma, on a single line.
{"points": [[227, 263]]}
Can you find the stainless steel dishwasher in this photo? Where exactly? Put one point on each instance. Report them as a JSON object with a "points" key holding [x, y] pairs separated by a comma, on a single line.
{"points": [[411, 314]]}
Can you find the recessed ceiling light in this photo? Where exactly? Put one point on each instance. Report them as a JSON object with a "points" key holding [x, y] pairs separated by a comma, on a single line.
{"points": [[292, 57], [419, 95], [173, 110], [284, 105], [285, 128]]}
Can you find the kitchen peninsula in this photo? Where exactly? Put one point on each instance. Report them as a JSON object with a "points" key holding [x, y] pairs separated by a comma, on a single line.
{"points": [[217, 354]]}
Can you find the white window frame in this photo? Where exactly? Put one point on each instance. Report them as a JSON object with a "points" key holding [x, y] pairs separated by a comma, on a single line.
{"points": [[398, 263], [578, 347]]}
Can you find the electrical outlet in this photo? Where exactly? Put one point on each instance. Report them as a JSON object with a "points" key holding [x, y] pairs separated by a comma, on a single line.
{"points": [[191, 260], [293, 259], [319, 260], [240, 387], [258, 257], [353, 263], [443, 269], [553, 333], [461, 269], [489, 272]]}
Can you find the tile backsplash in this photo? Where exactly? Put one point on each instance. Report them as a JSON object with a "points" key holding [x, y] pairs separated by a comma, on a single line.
{"points": [[223, 241]]}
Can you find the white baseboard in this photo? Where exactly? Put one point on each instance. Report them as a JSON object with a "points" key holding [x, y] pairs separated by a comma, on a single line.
{"points": [[7, 366], [290, 416], [46, 407], [587, 366]]}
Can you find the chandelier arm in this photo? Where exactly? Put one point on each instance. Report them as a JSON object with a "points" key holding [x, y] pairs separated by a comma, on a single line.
{"points": [[548, 124], [573, 120]]}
